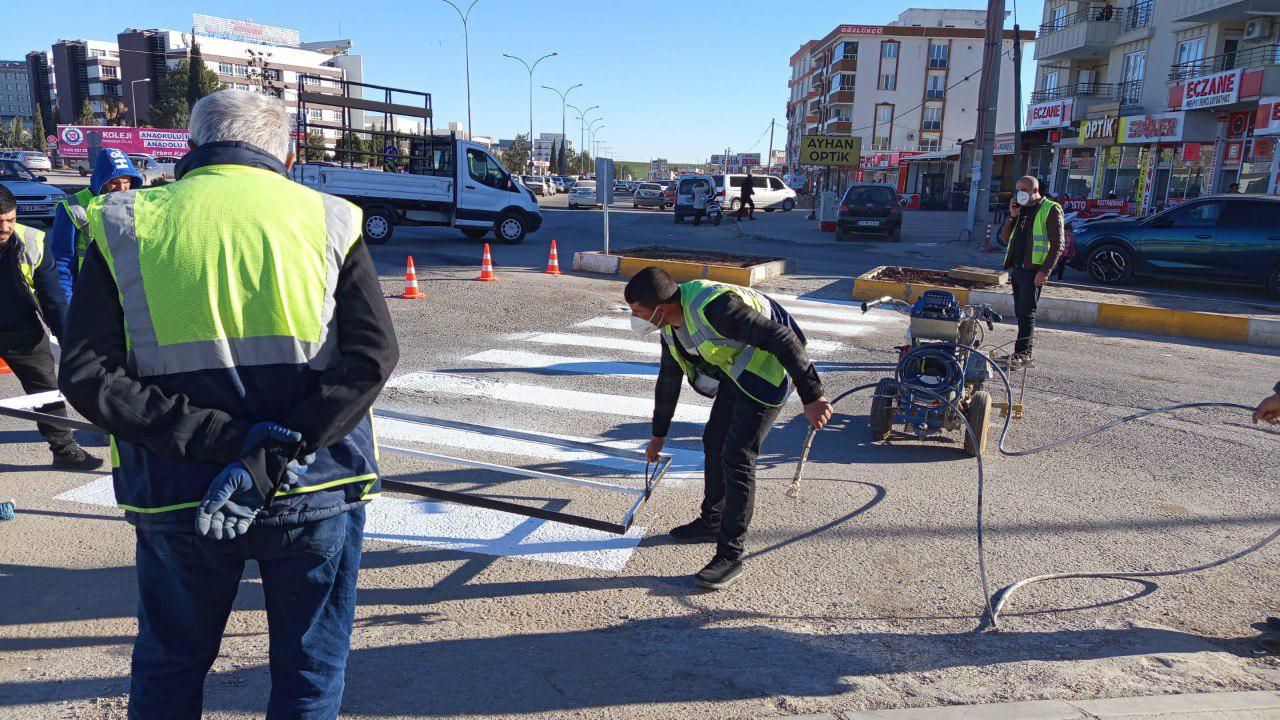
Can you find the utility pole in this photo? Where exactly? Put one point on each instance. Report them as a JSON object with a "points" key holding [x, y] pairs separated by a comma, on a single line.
{"points": [[530, 68], [768, 161], [466, 50], [582, 130], [563, 137], [726, 163], [988, 96], [1018, 163]]}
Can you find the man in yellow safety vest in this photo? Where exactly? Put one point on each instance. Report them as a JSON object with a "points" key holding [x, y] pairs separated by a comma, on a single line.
{"points": [[1033, 238]]}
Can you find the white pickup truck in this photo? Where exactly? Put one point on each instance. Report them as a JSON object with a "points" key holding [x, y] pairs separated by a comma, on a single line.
{"points": [[427, 187]]}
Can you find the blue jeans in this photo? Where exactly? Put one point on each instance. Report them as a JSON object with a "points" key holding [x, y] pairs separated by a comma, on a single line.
{"points": [[187, 584]]}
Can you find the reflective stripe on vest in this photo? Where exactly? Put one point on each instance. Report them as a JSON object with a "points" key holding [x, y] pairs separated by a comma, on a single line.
{"points": [[31, 246], [74, 205], [1039, 234], [758, 374], [150, 354]]}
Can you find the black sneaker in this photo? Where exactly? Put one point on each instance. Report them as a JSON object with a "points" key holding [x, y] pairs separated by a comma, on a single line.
{"points": [[73, 457], [1269, 642], [695, 532], [720, 573], [1017, 361]]}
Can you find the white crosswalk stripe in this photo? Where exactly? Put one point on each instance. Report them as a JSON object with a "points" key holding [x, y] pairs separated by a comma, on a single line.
{"points": [[643, 347]]}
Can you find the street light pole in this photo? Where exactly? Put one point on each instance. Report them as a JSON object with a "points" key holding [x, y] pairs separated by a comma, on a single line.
{"points": [[530, 69], [466, 50], [563, 96], [133, 97], [582, 131]]}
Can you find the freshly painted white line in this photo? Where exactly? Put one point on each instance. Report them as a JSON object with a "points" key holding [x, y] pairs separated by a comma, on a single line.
{"points": [[606, 322], [832, 312], [865, 323], [835, 329], [645, 347], [32, 402], [458, 527], [541, 395], [561, 363], [684, 463]]}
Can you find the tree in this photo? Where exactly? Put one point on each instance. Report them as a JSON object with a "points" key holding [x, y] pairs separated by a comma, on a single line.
{"points": [[17, 135], [86, 114], [38, 131], [115, 112], [172, 108], [582, 163], [195, 63], [348, 148], [516, 156], [311, 148], [261, 73]]}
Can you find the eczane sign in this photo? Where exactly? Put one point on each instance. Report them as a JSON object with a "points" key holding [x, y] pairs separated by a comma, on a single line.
{"points": [[1052, 114], [1212, 90]]}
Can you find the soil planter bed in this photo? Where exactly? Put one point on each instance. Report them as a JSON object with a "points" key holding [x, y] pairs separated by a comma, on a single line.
{"points": [[685, 264]]}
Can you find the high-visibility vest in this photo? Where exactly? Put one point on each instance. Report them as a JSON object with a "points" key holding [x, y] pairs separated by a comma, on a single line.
{"points": [[227, 281], [758, 374], [1039, 234], [74, 205], [30, 253]]}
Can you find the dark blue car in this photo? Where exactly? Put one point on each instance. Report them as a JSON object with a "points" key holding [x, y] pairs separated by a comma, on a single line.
{"points": [[1220, 238]]}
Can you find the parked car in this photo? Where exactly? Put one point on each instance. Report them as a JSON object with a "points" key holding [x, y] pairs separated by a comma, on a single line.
{"points": [[1220, 238], [584, 194], [649, 195], [36, 199], [685, 186], [148, 167], [770, 192], [167, 166], [669, 192], [33, 159], [869, 208], [536, 184]]}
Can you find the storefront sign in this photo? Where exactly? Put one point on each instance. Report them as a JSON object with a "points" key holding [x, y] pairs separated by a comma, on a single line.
{"points": [[1262, 149], [1190, 152], [1267, 120], [1212, 90], [1052, 114], [1098, 129], [1155, 128], [1239, 125], [1004, 144], [830, 150], [1232, 153], [73, 140], [860, 30]]}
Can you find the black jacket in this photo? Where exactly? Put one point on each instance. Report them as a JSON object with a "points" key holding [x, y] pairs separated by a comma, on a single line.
{"points": [[21, 314], [733, 319], [747, 187]]}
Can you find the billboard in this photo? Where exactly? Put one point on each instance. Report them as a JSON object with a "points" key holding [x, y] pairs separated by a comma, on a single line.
{"points": [[244, 31], [73, 140], [830, 150]]}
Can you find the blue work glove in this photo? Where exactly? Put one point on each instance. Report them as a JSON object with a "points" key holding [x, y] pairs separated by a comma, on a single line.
{"points": [[230, 505], [260, 433], [294, 471]]}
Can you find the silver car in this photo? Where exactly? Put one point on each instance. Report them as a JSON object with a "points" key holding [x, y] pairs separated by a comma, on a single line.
{"points": [[649, 195]]}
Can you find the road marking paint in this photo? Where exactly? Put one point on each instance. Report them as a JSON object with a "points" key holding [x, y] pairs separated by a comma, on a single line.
{"points": [[458, 527], [835, 329], [684, 463], [645, 347], [541, 395], [864, 323], [606, 322], [560, 363]]}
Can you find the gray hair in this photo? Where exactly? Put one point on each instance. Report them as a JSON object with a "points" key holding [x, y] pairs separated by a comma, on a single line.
{"points": [[1032, 181], [254, 118]]}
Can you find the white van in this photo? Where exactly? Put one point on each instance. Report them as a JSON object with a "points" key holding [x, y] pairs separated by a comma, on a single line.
{"points": [[771, 193]]}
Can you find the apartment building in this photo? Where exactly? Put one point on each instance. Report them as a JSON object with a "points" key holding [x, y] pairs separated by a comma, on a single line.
{"points": [[543, 145], [659, 169], [42, 86], [82, 70], [15, 93], [1151, 102], [907, 88]]}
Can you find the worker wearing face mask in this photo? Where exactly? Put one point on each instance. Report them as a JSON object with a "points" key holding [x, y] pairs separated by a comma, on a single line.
{"points": [[1033, 238], [742, 348]]}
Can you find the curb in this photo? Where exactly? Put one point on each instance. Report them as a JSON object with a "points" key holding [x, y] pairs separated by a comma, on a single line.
{"points": [[1201, 706], [1259, 332], [594, 261]]}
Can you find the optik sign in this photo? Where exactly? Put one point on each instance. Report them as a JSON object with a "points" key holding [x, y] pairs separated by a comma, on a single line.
{"points": [[1212, 90]]}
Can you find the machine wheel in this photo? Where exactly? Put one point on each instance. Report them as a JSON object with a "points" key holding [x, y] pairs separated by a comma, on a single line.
{"points": [[511, 228], [1110, 264], [475, 233], [979, 416], [881, 418], [378, 226], [788, 205]]}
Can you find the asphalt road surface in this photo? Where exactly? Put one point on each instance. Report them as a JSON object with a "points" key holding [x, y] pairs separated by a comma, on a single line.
{"points": [[862, 593]]}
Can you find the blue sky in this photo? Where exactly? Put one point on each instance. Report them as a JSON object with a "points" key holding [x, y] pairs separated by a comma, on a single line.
{"points": [[679, 80]]}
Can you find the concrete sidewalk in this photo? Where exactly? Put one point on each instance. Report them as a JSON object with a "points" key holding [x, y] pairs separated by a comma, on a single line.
{"points": [[1208, 706]]}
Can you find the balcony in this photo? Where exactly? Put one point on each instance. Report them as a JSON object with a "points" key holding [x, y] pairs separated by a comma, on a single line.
{"points": [[1129, 94], [841, 97], [848, 64], [1093, 90], [811, 118], [1203, 11], [1087, 34], [838, 127], [1250, 57]]}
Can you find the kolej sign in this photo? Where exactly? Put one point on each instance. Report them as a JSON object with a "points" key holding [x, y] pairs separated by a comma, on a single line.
{"points": [[1052, 114], [1212, 90], [830, 150]]}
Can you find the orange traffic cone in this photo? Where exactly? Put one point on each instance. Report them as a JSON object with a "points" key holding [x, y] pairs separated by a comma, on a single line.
{"points": [[553, 261], [486, 267], [411, 291], [4, 368]]}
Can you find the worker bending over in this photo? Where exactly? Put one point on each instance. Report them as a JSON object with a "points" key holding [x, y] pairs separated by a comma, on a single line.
{"points": [[739, 346], [1033, 238], [229, 331]]}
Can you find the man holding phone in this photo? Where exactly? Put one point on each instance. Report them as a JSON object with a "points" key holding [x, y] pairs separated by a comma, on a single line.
{"points": [[1033, 238]]}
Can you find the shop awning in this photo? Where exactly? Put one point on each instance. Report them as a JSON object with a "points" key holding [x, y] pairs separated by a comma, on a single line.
{"points": [[937, 155]]}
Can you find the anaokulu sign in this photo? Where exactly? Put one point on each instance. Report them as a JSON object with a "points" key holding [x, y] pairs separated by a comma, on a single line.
{"points": [[830, 150]]}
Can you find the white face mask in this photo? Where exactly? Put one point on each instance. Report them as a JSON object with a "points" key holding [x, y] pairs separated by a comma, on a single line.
{"points": [[642, 327], [1024, 197]]}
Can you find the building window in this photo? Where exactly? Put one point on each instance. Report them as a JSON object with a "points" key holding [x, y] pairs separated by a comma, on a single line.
{"points": [[932, 118], [97, 53], [847, 50], [935, 86], [1050, 83], [883, 127], [1058, 17], [888, 81], [241, 70], [889, 50], [1190, 54], [846, 81], [224, 68], [938, 54], [110, 72], [930, 143]]}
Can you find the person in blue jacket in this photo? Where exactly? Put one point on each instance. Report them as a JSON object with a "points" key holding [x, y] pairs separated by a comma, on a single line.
{"points": [[113, 171]]}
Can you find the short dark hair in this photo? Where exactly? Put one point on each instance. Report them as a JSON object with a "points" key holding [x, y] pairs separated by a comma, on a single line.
{"points": [[651, 287], [7, 201]]}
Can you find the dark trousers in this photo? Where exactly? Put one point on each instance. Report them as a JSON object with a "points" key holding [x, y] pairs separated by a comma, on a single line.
{"points": [[34, 368], [749, 206], [1026, 294], [731, 443], [186, 586]]}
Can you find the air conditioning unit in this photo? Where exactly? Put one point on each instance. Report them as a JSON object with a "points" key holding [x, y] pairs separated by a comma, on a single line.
{"points": [[1257, 28]]}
